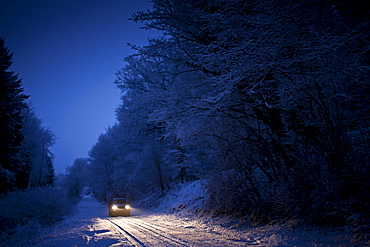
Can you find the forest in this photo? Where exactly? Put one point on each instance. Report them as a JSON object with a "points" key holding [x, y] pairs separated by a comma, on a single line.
{"points": [[26, 160], [27, 182], [266, 101]]}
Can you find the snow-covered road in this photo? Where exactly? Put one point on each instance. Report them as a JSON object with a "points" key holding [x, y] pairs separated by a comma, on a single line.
{"points": [[159, 230], [91, 226]]}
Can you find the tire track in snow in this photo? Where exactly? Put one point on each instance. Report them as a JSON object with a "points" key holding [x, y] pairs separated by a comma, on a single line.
{"points": [[144, 234], [197, 236], [154, 229], [132, 239]]}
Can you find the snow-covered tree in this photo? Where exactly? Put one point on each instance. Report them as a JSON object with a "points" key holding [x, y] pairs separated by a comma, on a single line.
{"points": [[267, 100], [35, 149], [76, 178]]}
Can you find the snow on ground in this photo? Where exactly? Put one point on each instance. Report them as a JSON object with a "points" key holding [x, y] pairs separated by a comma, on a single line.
{"points": [[83, 228], [188, 197], [184, 201], [174, 223]]}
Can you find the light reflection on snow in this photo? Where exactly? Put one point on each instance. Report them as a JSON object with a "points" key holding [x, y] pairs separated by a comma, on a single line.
{"points": [[90, 226]]}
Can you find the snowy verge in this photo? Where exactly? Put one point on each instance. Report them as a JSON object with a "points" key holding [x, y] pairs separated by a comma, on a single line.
{"points": [[187, 200], [189, 197], [186, 197]]}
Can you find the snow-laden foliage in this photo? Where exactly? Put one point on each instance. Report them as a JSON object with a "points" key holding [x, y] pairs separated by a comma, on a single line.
{"points": [[35, 149], [268, 100], [74, 181]]}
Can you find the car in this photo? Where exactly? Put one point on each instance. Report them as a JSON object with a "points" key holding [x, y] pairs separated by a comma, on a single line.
{"points": [[119, 206]]}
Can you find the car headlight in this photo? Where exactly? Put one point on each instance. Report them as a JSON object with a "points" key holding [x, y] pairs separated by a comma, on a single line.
{"points": [[114, 207], [127, 207]]}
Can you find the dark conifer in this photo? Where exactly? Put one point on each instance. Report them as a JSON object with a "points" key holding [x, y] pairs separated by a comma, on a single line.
{"points": [[13, 173]]}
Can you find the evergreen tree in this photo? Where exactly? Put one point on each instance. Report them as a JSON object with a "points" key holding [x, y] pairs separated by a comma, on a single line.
{"points": [[13, 172]]}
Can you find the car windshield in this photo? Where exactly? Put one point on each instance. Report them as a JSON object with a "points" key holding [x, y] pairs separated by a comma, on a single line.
{"points": [[119, 200]]}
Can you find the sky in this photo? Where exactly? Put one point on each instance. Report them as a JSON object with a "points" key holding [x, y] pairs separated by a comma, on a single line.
{"points": [[67, 53]]}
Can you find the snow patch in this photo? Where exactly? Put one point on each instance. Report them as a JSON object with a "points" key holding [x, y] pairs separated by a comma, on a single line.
{"points": [[187, 197]]}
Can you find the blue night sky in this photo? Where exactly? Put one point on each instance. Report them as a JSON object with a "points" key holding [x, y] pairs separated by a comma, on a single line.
{"points": [[67, 53]]}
